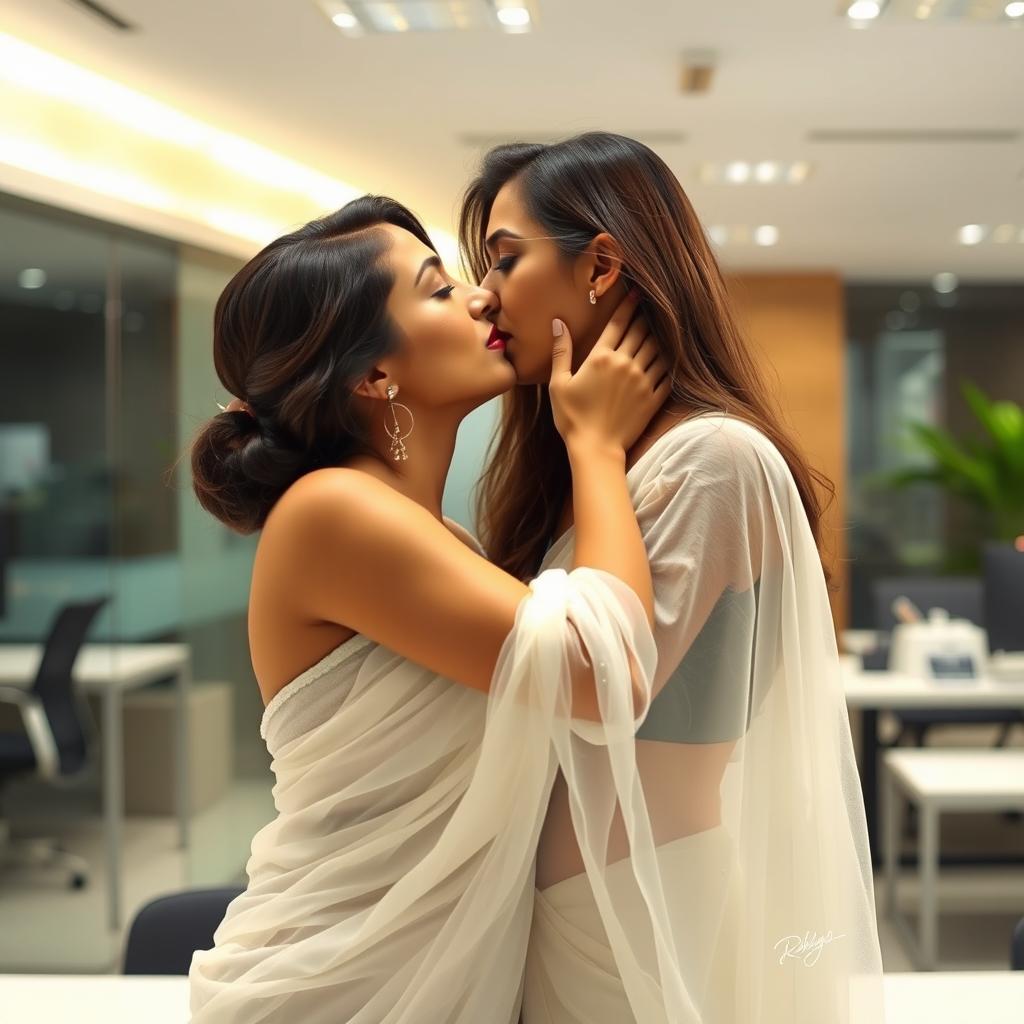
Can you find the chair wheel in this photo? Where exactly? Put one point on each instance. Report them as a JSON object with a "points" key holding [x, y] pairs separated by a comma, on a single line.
{"points": [[79, 881]]}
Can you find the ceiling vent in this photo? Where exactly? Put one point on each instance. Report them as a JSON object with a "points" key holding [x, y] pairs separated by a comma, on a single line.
{"points": [[103, 14], [965, 136]]}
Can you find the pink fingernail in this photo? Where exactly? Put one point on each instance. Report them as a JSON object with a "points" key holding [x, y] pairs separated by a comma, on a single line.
{"points": [[557, 327]]}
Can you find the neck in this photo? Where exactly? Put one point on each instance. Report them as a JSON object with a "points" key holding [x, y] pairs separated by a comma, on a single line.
{"points": [[430, 447]]}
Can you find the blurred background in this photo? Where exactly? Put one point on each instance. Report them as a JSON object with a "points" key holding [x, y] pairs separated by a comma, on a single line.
{"points": [[860, 170]]}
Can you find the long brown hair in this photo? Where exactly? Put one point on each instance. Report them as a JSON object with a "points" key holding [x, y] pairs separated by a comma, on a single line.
{"points": [[575, 189]]}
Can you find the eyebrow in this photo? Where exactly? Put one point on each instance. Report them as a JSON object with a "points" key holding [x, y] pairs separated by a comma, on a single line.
{"points": [[497, 236], [430, 261]]}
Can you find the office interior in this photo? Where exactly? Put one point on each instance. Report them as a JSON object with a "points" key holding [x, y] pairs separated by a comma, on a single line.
{"points": [[859, 168]]}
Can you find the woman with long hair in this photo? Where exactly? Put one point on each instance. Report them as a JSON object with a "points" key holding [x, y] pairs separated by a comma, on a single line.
{"points": [[717, 870], [414, 692]]}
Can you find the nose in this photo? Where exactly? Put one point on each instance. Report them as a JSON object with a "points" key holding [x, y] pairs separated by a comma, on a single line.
{"points": [[483, 304]]}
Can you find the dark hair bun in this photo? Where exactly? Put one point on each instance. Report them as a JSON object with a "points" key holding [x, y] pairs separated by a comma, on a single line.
{"points": [[240, 468]]}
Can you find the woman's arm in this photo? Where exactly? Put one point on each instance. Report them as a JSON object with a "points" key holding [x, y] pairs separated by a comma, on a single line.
{"points": [[378, 563]]}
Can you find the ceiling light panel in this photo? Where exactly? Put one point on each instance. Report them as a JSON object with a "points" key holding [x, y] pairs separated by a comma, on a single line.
{"points": [[356, 18], [863, 13], [755, 172]]}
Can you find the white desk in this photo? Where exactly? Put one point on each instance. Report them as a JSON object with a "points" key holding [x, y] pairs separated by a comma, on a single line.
{"points": [[93, 999], [872, 692], [969, 997], [109, 670], [980, 997], [939, 779]]}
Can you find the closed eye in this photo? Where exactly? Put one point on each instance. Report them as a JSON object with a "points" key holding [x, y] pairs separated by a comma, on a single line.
{"points": [[444, 292], [506, 263]]}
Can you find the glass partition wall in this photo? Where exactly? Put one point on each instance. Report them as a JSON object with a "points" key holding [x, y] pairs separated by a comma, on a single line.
{"points": [[105, 372]]}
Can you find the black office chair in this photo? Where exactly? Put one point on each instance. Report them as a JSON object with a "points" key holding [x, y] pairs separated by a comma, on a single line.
{"points": [[59, 738], [1017, 947], [963, 598], [168, 930]]}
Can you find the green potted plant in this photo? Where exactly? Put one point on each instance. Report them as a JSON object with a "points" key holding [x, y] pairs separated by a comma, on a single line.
{"points": [[986, 472]]}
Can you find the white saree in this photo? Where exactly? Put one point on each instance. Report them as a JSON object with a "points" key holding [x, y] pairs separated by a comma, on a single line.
{"points": [[717, 869], [396, 883]]}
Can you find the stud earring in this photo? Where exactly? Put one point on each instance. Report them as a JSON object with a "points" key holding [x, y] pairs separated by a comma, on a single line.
{"points": [[593, 297], [398, 452]]}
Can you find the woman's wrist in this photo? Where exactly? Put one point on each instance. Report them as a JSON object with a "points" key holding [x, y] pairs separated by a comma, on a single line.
{"points": [[588, 448]]}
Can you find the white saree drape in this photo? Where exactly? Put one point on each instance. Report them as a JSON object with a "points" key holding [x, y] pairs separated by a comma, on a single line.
{"points": [[396, 883], [723, 873]]}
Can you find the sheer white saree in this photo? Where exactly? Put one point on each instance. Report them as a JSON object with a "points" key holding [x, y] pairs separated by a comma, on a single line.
{"points": [[715, 869], [396, 882]]}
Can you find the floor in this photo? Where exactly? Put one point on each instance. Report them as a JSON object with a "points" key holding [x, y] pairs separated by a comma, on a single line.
{"points": [[47, 928]]}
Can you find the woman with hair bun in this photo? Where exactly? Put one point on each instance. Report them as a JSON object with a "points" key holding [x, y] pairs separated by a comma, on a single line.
{"points": [[415, 693]]}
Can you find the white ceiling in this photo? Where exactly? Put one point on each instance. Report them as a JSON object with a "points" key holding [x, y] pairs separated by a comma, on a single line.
{"points": [[386, 113]]}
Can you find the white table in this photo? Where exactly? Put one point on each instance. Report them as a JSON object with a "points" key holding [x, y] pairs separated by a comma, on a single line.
{"points": [[93, 999], [980, 997], [110, 670], [871, 692], [968, 997], [937, 780]]}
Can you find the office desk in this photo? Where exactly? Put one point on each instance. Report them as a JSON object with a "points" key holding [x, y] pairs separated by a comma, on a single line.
{"points": [[872, 692], [955, 998], [110, 670]]}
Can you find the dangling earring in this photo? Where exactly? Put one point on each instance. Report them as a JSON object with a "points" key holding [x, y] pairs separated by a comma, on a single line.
{"points": [[398, 452], [593, 297]]}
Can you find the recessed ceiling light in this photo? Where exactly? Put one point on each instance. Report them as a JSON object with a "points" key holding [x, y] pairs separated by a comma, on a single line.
{"points": [[763, 172], [971, 234], [798, 172], [864, 10], [718, 234], [342, 17], [33, 277], [766, 234], [1004, 233], [1015, 9], [945, 282], [513, 17], [737, 172]]}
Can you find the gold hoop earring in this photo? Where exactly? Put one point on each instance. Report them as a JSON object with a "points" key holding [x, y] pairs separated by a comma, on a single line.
{"points": [[593, 297], [398, 452]]}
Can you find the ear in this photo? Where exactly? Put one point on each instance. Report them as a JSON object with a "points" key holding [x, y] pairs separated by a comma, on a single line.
{"points": [[600, 267], [374, 384]]}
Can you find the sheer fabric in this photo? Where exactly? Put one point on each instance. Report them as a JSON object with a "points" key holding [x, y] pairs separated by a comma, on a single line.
{"points": [[715, 869], [395, 883]]}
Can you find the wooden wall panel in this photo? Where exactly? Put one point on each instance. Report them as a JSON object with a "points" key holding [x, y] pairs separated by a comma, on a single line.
{"points": [[795, 323]]}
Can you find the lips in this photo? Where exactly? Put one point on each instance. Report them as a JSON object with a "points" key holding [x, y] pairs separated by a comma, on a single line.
{"points": [[497, 338]]}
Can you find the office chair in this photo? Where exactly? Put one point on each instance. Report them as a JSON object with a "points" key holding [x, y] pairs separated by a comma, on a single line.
{"points": [[168, 930], [59, 737], [963, 598]]}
